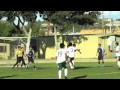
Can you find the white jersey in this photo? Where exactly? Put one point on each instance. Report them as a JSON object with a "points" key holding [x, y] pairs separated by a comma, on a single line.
{"points": [[71, 51], [61, 55], [75, 49], [118, 49]]}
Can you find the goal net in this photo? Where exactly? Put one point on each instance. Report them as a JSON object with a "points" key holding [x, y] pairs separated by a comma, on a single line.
{"points": [[8, 47]]}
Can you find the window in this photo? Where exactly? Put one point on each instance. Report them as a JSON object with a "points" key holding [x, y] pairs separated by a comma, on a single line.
{"points": [[2, 48]]}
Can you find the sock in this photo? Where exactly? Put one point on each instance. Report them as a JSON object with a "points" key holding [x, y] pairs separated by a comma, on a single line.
{"points": [[118, 63], [73, 62], [33, 65], [65, 72], [98, 62], [102, 62], [60, 74], [71, 66]]}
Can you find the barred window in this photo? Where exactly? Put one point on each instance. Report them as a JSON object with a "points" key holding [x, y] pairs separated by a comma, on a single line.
{"points": [[2, 48]]}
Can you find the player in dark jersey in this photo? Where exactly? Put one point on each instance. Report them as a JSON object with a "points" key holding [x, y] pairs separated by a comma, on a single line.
{"points": [[30, 56], [100, 53]]}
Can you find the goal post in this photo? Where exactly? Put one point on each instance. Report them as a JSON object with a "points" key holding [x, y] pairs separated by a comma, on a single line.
{"points": [[8, 47]]}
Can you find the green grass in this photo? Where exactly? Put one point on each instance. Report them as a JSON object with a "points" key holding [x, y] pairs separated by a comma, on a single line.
{"points": [[84, 70]]}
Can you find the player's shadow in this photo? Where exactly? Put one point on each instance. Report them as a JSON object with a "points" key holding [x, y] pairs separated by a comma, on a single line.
{"points": [[7, 76], [79, 77], [108, 66], [39, 68], [82, 67]]}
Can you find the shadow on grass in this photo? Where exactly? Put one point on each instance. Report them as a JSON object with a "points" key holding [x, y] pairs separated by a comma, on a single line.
{"points": [[82, 67], [107, 66], [79, 77], [7, 76], [39, 68]]}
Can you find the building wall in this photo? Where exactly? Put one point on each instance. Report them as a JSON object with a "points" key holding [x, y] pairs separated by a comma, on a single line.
{"points": [[88, 48], [46, 47], [4, 55]]}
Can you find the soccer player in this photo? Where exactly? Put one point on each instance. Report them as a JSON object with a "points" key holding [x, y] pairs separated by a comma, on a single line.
{"points": [[74, 45], [118, 54], [23, 61], [19, 55], [71, 54], [61, 61], [30, 57], [100, 53]]}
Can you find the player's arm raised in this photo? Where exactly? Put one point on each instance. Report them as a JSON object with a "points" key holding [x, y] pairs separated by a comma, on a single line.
{"points": [[79, 51]]}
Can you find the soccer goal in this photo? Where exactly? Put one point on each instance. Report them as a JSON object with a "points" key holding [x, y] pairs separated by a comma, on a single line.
{"points": [[8, 47]]}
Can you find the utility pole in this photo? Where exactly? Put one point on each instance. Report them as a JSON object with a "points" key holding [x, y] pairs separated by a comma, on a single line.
{"points": [[110, 23], [73, 29], [55, 36], [103, 22], [48, 28]]}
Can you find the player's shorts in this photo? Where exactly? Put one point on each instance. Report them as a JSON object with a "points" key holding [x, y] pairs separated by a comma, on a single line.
{"points": [[30, 59], [19, 59], [118, 58], [62, 65], [100, 57], [71, 59]]}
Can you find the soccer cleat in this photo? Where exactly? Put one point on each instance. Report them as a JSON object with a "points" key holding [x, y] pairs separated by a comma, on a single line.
{"points": [[34, 67], [98, 65], [66, 77], [17, 66], [26, 67]]}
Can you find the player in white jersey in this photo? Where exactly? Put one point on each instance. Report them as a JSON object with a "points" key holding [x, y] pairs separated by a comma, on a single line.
{"points": [[76, 49], [71, 54], [61, 61], [118, 54]]}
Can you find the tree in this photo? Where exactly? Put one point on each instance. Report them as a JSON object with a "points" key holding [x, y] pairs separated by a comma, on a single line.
{"points": [[37, 30], [63, 19], [22, 16], [5, 29]]}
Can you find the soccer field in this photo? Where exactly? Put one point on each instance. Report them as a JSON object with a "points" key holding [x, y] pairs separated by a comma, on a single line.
{"points": [[84, 70]]}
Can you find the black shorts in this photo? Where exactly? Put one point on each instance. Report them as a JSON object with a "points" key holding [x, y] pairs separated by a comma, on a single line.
{"points": [[100, 57], [19, 59], [71, 59], [30, 59]]}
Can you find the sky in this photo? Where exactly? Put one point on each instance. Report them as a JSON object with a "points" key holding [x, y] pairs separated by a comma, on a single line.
{"points": [[114, 14]]}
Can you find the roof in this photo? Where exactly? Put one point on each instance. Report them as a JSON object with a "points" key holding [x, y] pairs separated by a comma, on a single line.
{"points": [[98, 31], [107, 35]]}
